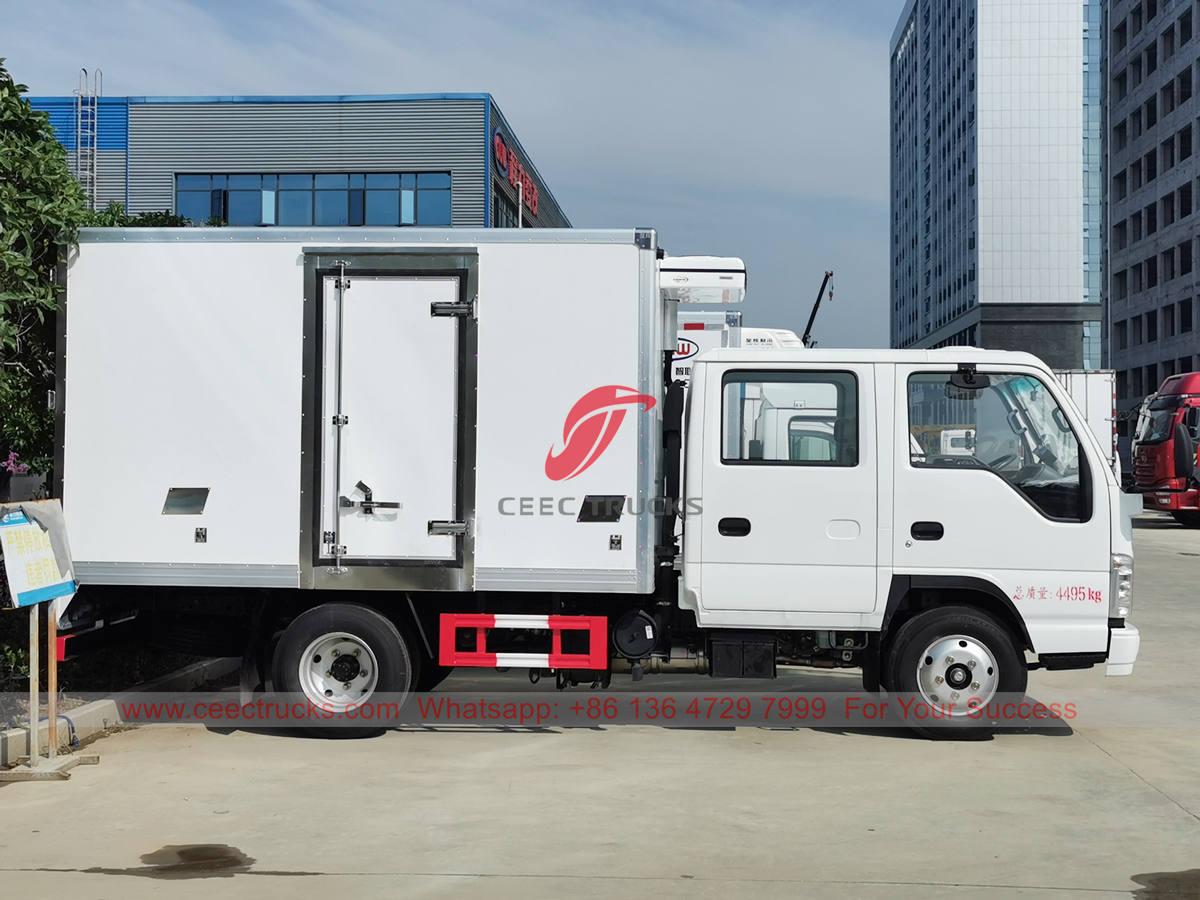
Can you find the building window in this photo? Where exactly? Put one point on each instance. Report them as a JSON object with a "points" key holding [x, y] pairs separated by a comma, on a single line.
{"points": [[1091, 345], [361, 198], [1168, 321], [1122, 335], [1185, 315], [504, 211], [1151, 327]]}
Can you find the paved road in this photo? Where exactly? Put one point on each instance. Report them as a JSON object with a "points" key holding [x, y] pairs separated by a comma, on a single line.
{"points": [[1103, 810]]}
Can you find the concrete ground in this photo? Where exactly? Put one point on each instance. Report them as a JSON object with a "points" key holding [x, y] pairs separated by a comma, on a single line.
{"points": [[1110, 808]]}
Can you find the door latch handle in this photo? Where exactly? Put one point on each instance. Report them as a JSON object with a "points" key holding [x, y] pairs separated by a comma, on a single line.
{"points": [[927, 531], [368, 504], [733, 526]]}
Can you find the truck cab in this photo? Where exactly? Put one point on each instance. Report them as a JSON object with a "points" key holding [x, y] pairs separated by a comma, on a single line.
{"points": [[821, 498], [1164, 451]]}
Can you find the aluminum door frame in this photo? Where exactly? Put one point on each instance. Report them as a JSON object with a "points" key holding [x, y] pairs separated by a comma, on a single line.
{"points": [[320, 572]]}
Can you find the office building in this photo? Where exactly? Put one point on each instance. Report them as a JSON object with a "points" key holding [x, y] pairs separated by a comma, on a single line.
{"points": [[1154, 128], [996, 177]]}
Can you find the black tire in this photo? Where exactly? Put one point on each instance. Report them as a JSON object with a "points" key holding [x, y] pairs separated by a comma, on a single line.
{"points": [[1188, 518], [398, 667], [914, 637]]}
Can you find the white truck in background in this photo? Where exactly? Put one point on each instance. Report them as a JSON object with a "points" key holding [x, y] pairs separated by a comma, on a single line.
{"points": [[701, 331], [1095, 393], [375, 446]]}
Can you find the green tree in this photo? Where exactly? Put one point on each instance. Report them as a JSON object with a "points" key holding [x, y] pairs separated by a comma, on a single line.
{"points": [[41, 209]]}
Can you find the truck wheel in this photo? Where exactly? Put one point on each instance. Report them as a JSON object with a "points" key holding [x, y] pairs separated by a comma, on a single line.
{"points": [[340, 656], [947, 664], [1188, 518]]}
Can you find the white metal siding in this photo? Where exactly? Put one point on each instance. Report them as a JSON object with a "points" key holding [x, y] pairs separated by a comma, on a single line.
{"points": [[401, 135]]}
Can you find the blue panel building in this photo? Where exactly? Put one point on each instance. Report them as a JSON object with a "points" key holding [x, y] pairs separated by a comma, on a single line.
{"points": [[374, 159]]}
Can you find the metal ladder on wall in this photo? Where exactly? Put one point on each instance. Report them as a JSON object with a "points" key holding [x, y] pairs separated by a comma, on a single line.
{"points": [[87, 119]]}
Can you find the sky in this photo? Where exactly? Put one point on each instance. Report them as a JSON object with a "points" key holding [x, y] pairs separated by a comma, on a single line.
{"points": [[751, 129]]}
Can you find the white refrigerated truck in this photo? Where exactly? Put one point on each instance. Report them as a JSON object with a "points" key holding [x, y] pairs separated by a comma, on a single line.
{"points": [[405, 444]]}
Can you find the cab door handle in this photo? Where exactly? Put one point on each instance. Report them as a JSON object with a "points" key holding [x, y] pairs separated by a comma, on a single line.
{"points": [[927, 531], [734, 527]]}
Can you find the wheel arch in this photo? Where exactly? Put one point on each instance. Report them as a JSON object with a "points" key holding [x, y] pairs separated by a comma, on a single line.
{"points": [[911, 594], [270, 613]]}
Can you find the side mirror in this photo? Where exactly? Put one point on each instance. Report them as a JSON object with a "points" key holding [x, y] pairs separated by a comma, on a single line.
{"points": [[1185, 452]]}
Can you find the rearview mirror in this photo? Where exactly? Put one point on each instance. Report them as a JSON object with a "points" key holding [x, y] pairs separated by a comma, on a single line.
{"points": [[1185, 452], [967, 380]]}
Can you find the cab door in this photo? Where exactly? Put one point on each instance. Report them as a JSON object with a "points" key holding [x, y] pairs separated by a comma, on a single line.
{"points": [[788, 491], [992, 487]]}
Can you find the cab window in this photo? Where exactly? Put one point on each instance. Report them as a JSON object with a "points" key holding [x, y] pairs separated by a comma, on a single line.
{"points": [[1008, 425], [790, 418]]}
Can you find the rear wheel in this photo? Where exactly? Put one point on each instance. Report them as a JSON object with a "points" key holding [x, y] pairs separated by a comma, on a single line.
{"points": [[1189, 518], [946, 665], [340, 656]]}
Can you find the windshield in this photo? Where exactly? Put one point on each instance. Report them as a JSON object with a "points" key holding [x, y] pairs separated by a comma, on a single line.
{"points": [[1154, 424]]}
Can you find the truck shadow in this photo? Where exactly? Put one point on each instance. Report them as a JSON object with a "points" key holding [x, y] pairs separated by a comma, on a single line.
{"points": [[1156, 522]]}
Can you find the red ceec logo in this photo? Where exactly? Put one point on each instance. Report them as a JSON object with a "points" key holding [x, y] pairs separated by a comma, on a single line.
{"points": [[590, 427]]}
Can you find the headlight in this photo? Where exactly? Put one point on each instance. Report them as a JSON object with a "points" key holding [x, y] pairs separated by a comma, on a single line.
{"points": [[1120, 602]]}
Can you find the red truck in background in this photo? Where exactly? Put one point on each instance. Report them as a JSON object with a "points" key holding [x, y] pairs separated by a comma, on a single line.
{"points": [[1164, 449]]}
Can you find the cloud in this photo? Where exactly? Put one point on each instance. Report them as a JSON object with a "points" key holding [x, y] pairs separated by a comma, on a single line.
{"points": [[726, 125]]}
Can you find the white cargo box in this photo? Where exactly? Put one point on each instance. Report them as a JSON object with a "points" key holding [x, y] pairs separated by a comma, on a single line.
{"points": [[364, 408]]}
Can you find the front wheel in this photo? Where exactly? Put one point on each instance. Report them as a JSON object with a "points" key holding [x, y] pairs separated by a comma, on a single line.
{"points": [[947, 665], [340, 656]]}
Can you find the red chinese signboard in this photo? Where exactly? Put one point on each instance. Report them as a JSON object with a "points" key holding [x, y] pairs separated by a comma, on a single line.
{"points": [[510, 167]]}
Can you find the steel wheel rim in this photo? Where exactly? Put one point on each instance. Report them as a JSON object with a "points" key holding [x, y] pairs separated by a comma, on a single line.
{"points": [[957, 673], [338, 670]]}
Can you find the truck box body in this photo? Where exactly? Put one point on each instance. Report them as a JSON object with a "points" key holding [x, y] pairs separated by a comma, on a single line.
{"points": [[209, 359], [1095, 393]]}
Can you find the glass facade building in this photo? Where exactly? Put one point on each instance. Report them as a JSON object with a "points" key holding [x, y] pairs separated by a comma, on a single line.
{"points": [[1153, 126], [996, 176]]}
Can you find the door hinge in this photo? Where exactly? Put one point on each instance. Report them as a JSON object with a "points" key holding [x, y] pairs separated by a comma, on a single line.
{"points": [[452, 309], [436, 527], [328, 537], [337, 549], [340, 420]]}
